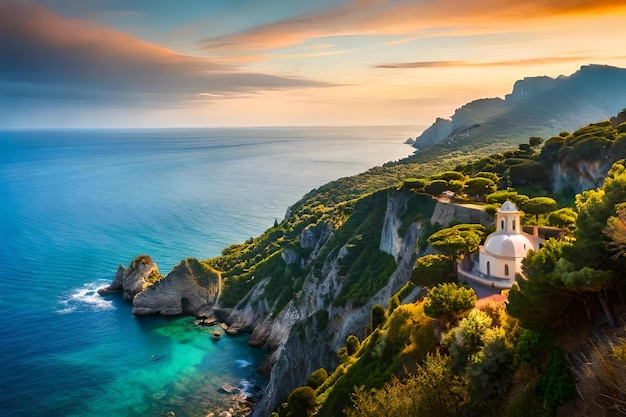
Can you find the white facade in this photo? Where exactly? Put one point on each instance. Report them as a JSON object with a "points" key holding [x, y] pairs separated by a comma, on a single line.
{"points": [[501, 255]]}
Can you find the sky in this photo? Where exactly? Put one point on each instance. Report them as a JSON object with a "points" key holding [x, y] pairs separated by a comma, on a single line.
{"points": [[215, 63]]}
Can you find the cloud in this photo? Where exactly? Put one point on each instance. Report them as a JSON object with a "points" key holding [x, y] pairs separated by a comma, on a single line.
{"points": [[507, 63], [53, 57], [402, 17]]}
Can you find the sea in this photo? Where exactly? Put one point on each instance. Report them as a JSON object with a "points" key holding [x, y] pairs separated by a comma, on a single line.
{"points": [[74, 204]]}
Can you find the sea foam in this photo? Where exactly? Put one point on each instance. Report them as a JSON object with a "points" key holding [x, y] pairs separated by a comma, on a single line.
{"points": [[85, 297]]}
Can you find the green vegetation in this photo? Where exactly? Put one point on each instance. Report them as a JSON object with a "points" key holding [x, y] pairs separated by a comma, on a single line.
{"points": [[449, 302], [458, 240], [443, 355], [430, 270]]}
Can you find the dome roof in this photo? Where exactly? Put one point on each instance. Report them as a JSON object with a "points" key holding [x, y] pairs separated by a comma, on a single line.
{"points": [[509, 246], [508, 207]]}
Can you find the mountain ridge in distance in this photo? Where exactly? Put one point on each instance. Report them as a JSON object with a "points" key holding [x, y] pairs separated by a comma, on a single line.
{"points": [[537, 106]]}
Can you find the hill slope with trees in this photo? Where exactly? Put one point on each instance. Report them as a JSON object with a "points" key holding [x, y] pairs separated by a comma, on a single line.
{"points": [[342, 283]]}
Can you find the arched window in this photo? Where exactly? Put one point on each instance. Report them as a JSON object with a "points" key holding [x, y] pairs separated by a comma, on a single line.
{"points": [[502, 224], [513, 224], [488, 268], [506, 270]]}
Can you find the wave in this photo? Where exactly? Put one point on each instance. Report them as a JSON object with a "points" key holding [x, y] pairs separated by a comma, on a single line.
{"points": [[242, 363], [85, 297]]}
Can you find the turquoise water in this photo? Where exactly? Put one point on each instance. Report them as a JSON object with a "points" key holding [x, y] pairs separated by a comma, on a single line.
{"points": [[75, 204]]}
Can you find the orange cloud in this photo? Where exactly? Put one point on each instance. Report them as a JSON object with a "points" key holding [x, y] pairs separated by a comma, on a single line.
{"points": [[47, 55], [507, 63], [396, 17]]}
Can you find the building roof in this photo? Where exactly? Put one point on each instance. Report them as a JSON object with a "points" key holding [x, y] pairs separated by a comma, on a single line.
{"points": [[508, 207], [508, 246]]}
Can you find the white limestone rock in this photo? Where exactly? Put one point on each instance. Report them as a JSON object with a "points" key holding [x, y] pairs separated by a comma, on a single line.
{"points": [[192, 287]]}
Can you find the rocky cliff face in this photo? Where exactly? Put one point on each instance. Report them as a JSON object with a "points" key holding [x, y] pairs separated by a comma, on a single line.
{"points": [[537, 106], [306, 344], [390, 240], [307, 333], [191, 287], [444, 214], [531, 86], [141, 273]]}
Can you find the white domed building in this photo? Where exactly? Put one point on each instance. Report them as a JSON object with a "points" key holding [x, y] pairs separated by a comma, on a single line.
{"points": [[500, 258]]}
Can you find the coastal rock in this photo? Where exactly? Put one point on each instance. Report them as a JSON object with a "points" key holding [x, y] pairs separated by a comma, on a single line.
{"points": [[191, 287], [116, 284], [140, 274]]}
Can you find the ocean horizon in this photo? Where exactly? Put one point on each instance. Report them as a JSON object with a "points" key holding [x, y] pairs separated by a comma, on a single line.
{"points": [[76, 203]]}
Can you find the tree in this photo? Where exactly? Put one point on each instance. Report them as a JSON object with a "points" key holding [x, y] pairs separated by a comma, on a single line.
{"points": [[456, 186], [527, 172], [615, 231], [394, 302], [451, 175], [480, 186], [459, 240], [466, 340], [563, 218], [539, 205], [595, 207], [491, 175], [434, 391], [436, 187], [352, 344], [301, 402], [541, 301], [317, 378], [378, 316], [431, 270], [504, 195], [416, 184], [587, 280], [535, 141], [449, 302]]}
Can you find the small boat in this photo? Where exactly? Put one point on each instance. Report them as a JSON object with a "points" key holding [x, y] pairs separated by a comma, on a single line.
{"points": [[156, 357]]}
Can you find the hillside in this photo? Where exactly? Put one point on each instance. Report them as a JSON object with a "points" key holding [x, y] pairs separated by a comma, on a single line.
{"points": [[537, 106], [307, 284]]}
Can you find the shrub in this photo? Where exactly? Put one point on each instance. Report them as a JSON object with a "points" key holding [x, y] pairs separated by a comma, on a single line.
{"points": [[480, 186], [562, 218], [378, 316], [317, 378], [450, 176], [431, 270], [556, 382], [414, 183], [352, 344], [491, 175], [436, 187], [528, 172], [394, 302], [301, 402], [449, 302], [539, 205]]}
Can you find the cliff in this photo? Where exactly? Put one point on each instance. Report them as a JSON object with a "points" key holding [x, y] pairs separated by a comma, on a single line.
{"points": [[333, 277], [306, 334], [141, 273], [537, 106], [192, 287]]}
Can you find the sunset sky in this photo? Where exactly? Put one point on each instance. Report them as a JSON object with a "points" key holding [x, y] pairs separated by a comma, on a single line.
{"points": [[157, 63]]}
